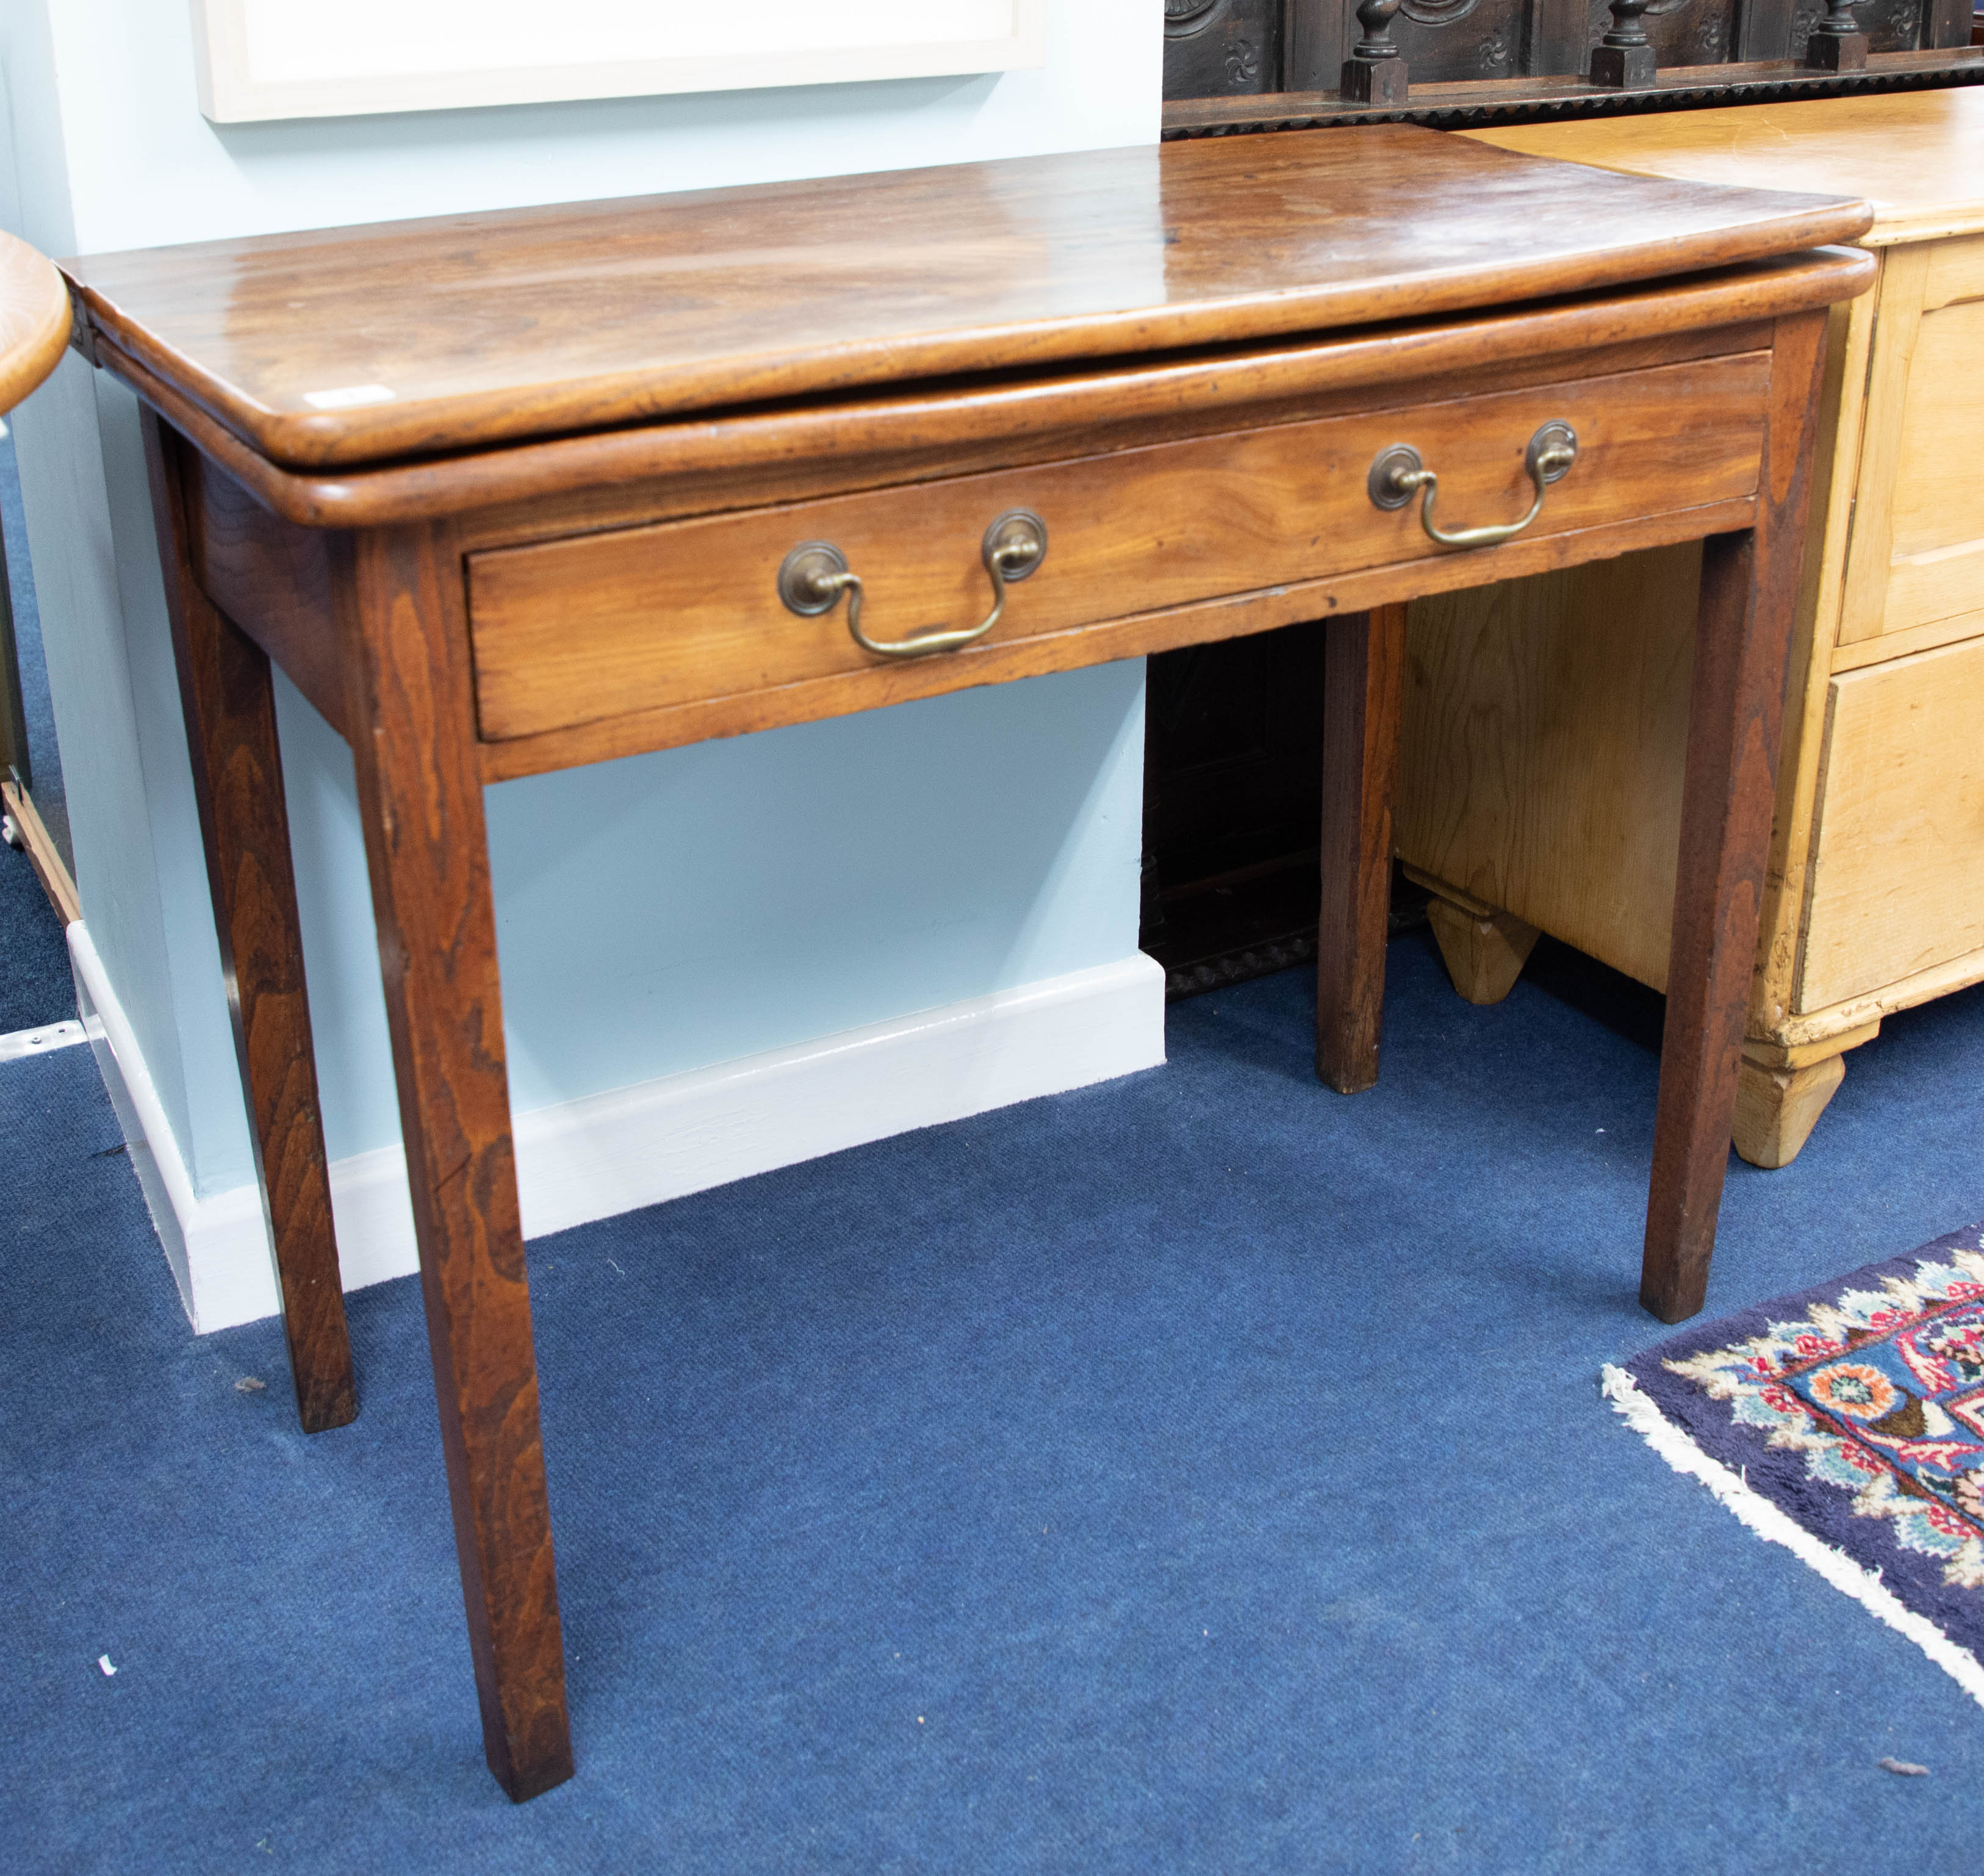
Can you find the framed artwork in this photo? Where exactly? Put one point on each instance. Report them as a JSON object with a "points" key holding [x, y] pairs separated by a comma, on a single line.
{"points": [[259, 59]]}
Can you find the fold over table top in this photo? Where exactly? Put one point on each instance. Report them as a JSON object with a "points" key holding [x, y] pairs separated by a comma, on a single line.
{"points": [[364, 345]]}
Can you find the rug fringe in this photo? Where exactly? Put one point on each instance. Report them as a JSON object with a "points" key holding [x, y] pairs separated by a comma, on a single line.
{"points": [[1638, 1410]]}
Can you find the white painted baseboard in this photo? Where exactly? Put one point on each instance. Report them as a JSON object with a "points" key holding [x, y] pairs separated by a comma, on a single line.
{"points": [[611, 1153]]}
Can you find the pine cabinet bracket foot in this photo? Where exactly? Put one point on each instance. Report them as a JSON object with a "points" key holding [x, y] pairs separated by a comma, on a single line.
{"points": [[1484, 950], [1777, 1108]]}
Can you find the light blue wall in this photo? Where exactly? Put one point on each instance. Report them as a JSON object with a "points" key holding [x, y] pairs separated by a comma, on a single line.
{"points": [[683, 908], [654, 914]]}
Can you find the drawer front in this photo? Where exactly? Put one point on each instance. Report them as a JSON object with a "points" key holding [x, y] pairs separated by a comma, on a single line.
{"points": [[573, 631], [1897, 879], [1916, 546], [1937, 544]]}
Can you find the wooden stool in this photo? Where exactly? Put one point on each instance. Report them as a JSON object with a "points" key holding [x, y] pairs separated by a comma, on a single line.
{"points": [[34, 329], [34, 320]]}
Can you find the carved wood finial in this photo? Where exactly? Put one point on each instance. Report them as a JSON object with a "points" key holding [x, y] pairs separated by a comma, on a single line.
{"points": [[1837, 43], [1375, 73], [1623, 60]]}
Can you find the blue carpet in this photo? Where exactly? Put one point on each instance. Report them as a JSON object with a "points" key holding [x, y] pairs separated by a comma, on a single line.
{"points": [[1202, 1472], [35, 983]]}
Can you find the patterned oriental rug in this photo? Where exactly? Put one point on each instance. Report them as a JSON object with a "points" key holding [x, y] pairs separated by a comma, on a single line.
{"points": [[1847, 1423]]}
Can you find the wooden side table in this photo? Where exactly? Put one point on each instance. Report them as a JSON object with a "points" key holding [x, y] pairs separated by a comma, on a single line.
{"points": [[507, 493], [1559, 807]]}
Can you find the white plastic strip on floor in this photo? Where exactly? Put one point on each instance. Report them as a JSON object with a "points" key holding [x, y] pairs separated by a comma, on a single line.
{"points": [[1639, 1411], [42, 1041]]}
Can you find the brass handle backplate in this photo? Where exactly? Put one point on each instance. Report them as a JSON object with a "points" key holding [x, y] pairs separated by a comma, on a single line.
{"points": [[1400, 472], [816, 573]]}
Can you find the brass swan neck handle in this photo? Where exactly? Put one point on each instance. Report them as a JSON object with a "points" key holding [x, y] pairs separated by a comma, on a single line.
{"points": [[1400, 472], [816, 573]]}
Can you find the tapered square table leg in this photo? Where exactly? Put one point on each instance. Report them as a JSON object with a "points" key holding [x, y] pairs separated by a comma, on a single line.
{"points": [[1363, 693], [419, 788], [229, 699], [1749, 595]]}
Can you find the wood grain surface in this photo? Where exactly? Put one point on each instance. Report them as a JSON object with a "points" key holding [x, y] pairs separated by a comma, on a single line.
{"points": [[1484, 950], [1743, 633], [1546, 731], [705, 460], [442, 335], [1362, 685], [1916, 558], [229, 699], [1777, 1108], [274, 582], [34, 320], [1130, 635], [43, 855], [1896, 884], [1918, 157], [411, 716], [574, 631]]}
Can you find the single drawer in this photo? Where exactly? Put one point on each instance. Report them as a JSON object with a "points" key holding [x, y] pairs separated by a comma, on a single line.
{"points": [[1897, 879], [574, 631]]}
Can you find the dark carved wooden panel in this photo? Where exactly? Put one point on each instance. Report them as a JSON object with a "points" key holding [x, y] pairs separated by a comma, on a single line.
{"points": [[1450, 42], [1761, 29], [1701, 33], [1695, 33], [1479, 60], [1698, 32], [1890, 25], [1221, 48], [1945, 23]]}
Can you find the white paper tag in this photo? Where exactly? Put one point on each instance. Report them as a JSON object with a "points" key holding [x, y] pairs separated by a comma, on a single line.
{"points": [[347, 395]]}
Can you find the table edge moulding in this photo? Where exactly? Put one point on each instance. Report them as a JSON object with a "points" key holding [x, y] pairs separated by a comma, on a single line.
{"points": [[591, 480]]}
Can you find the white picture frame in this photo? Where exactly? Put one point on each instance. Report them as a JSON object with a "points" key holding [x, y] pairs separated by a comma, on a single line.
{"points": [[259, 60]]}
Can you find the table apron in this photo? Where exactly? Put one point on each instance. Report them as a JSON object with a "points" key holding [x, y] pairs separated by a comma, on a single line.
{"points": [[1135, 635], [631, 622]]}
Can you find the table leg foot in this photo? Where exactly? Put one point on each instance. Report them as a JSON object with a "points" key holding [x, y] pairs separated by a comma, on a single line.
{"points": [[1727, 799], [1742, 630], [228, 697], [419, 790]]}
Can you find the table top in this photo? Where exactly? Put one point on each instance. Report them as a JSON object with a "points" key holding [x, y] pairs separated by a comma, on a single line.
{"points": [[1919, 154], [403, 339], [34, 320]]}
